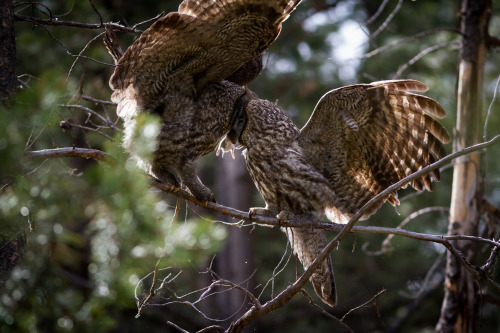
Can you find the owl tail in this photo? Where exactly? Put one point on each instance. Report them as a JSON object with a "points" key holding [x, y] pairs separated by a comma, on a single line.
{"points": [[307, 244]]}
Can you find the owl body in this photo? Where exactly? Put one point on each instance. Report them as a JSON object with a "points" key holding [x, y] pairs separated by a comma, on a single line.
{"points": [[359, 140], [277, 163], [188, 131], [181, 67], [291, 187]]}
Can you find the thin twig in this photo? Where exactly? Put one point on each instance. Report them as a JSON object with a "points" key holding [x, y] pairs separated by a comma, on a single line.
{"points": [[421, 54], [386, 243], [88, 110], [388, 20], [371, 300], [69, 152], [485, 135], [407, 39], [377, 13], [291, 290], [52, 22], [322, 311], [152, 291], [97, 101], [81, 54]]}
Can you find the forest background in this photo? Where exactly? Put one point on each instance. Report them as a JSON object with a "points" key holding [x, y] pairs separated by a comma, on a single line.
{"points": [[91, 232]]}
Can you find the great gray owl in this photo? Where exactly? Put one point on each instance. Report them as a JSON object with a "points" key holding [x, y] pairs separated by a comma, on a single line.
{"points": [[359, 140], [176, 69]]}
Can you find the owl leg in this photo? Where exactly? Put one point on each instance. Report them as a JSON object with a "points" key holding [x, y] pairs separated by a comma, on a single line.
{"points": [[190, 179], [268, 211], [164, 175]]}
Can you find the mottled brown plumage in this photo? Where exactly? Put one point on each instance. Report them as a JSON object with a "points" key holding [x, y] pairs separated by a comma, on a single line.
{"points": [[176, 69], [359, 140]]}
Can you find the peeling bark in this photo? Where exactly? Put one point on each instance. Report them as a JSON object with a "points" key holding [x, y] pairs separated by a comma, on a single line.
{"points": [[460, 304]]}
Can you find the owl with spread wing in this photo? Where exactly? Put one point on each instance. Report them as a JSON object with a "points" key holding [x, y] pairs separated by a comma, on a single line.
{"points": [[359, 140], [188, 68]]}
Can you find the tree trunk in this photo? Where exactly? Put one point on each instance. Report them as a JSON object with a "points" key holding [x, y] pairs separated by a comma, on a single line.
{"points": [[8, 79], [460, 303], [235, 262]]}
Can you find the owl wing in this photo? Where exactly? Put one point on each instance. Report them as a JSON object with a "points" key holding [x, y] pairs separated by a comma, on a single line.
{"points": [[204, 41], [365, 137]]}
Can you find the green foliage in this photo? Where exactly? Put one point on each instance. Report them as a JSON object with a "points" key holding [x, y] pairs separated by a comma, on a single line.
{"points": [[95, 230]]}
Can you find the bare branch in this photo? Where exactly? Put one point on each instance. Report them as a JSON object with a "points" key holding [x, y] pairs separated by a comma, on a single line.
{"points": [[421, 54], [290, 291], [386, 244], [294, 288], [97, 101], [53, 22], [407, 39], [372, 300], [80, 55], [69, 152], [387, 20], [322, 311], [485, 131], [491, 260], [90, 111], [377, 13], [152, 292], [97, 12], [177, 327]]}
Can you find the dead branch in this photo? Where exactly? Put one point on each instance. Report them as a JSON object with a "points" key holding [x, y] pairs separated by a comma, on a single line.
{"points": [[283, 298], [97, 101], [69, 152], [421, 54], [53, 22], [377, 13], [387, 20], [407, 39], [322, 311], [108, 122], [291, 290], [386, 244], [372, 300], [486, 121]]}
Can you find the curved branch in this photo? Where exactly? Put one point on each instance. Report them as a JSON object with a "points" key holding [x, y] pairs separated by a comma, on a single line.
{"points": [[69, 152], [291, 290], [50, 21], [407, 39], [294, 288]]}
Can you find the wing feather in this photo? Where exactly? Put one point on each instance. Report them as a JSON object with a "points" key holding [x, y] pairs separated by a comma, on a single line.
{"points": [[365, 137], [205, 41]]}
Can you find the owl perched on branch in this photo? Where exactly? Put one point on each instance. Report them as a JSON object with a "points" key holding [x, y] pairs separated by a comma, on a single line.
{"points": [[359, 140], [177, 69]]}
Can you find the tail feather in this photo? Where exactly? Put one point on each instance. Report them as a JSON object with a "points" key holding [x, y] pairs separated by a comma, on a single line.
{"points": [[307, 244]]}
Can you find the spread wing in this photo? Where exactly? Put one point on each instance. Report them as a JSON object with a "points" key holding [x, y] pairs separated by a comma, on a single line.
{"points": [[365, 137], [204, 41]]}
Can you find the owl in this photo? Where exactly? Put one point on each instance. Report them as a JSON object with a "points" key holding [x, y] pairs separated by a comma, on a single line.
{"points": [[359, 140], [188, 68]]}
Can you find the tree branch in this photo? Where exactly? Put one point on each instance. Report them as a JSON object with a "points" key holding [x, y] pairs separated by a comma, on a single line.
{"points": [[289, 292]]}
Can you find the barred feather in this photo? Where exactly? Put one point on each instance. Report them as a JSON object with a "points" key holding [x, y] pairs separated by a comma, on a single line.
{"points": [[359, 140]]}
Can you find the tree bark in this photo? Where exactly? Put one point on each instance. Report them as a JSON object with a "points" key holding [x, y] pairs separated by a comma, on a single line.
{"points": [[235, 262], [8, 78], [460, 304]]}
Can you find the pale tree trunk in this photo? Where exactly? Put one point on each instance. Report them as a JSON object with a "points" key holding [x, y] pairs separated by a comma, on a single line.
{"points": [[460, 304], [8, 77], [235, 262]]}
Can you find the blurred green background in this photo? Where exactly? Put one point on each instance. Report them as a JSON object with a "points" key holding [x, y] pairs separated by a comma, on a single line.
{"points": [[91, 232]]}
